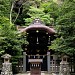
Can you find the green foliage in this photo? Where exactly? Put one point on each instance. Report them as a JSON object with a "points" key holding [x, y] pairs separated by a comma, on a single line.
{"points": [[46, 11], [62, 16], [51, 8], [9, 40], [66, 7], [38, 13], [65, 25], [20, 19], [5, 7]]}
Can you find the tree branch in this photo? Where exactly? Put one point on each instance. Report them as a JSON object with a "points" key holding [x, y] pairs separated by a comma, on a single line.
{"points": [[11, 12]]}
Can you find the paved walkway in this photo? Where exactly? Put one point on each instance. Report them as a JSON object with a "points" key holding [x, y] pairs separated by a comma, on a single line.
{"points": [[41, 73]]}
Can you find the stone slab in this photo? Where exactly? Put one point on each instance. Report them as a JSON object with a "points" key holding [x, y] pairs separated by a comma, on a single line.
{"points": [[29, 74]]}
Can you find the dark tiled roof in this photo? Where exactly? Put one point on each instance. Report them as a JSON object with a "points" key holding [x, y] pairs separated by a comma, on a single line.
{"points": [[38, 25]]}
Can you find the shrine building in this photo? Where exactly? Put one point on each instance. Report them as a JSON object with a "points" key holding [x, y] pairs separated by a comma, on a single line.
{"points": [[39, 37]]}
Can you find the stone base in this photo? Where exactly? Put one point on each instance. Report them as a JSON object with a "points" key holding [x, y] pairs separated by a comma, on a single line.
{"points": [[6, 73], [64, 68]]}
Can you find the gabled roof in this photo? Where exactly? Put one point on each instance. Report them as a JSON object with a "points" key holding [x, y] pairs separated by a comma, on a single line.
{"points": [[38, 25]]}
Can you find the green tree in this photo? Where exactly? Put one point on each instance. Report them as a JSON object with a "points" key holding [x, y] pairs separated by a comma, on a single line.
{"points": [[42, 12], [65, 26], [9, 39], [37, 13], [5, 7]]}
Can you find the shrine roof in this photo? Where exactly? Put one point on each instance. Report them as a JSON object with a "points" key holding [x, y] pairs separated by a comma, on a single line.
{"points": [[38, 25]]}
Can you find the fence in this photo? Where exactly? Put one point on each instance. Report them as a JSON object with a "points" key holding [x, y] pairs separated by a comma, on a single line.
{"points": [[19, 66], [72, 65], [54, 65], [0, 65]]}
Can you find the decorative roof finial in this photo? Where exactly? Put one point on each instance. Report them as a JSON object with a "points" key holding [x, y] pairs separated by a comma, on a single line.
{"points": [[37, 20]]}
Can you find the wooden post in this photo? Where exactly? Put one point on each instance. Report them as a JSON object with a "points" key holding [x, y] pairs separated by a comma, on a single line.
{"points": [[48, 62], [24, 62]]}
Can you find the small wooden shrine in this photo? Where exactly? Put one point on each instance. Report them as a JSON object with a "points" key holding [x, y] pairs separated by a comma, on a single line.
{"points": [[39, 37]]}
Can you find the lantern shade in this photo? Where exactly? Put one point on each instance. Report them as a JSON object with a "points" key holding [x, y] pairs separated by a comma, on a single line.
{"points": [[6, 56]]}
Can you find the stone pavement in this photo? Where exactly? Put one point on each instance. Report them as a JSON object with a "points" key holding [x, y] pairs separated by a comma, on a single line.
{"points": [[29, 74], [42, 73]]}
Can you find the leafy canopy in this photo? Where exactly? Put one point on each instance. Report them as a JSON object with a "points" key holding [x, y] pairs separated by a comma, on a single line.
{"points": [[9, 39], [65, 25]]}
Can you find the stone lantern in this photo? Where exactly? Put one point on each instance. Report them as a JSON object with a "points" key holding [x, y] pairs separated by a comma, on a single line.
{"points": [[7, 66], [64, 66]]}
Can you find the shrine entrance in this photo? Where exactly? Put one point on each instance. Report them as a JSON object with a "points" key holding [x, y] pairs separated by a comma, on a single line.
{"points": [[37, 47], [43, 63], [36, 55]]}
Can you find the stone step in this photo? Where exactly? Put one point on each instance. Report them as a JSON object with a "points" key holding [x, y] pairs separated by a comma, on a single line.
{"points": [[41, 74], [29, 74]]}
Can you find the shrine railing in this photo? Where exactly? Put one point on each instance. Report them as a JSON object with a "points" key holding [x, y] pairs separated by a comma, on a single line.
{"points": [[54, 67]]}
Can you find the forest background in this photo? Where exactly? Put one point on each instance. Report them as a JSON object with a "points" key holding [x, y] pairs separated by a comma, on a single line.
{"points": [[57, 13]]}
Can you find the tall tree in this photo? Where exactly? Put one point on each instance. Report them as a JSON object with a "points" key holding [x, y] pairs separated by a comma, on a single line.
{"points": [[9, 39], [65, 25], [42, 12]]}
